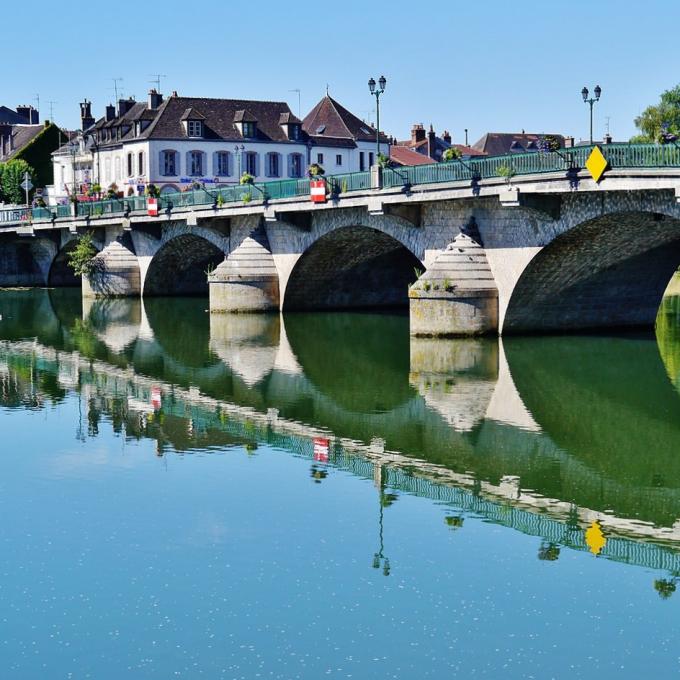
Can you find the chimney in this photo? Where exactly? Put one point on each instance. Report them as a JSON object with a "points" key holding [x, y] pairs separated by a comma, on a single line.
{"points": [[607, 139], [174, 93], [431, 143], [417, 133], [124, 105], [25, 113], [110, 112], [155, 99], [568, 142], [86, 119], [447, 136]]}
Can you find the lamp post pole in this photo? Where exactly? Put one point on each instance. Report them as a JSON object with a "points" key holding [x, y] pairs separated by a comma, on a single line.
{"points": [[377, 91], [597, 92], [238, 150]]}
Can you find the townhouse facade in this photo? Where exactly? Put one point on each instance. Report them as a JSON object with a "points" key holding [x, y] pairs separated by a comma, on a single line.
{"points": [[175, 142]]}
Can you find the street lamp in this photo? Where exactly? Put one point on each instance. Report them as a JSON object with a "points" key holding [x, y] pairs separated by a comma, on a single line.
{"points": [[74, 147], [597, 92], [377, 91]]}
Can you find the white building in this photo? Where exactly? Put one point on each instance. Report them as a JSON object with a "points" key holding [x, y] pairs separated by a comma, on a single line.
{"points": [[174, 142]]}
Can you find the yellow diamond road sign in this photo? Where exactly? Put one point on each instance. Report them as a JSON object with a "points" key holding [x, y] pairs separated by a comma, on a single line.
{"points": [[596, 164]]}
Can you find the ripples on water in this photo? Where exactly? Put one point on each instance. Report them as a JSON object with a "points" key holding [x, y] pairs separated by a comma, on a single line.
{"points": [[187, 496]]}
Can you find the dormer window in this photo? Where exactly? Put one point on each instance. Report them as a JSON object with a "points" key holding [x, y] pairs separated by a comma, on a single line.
{"points": [[291, 125], [192, 121], [245, 123]]}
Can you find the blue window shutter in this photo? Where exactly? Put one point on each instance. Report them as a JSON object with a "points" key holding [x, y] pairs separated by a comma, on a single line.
{"points": [[161, 164], [215, 166], [290, 165]]}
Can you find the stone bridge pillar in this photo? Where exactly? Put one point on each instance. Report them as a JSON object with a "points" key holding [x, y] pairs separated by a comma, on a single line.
{"points": [[247, 281], [457, 295], [116, 270]]}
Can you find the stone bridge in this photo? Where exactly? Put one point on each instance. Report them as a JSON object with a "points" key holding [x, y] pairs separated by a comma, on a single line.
{"points": [[553, 251]]}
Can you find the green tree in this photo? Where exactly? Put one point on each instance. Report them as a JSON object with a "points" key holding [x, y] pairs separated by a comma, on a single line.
{"points": [[11, 178], [453, 153], [666, 114], [81, 257]]}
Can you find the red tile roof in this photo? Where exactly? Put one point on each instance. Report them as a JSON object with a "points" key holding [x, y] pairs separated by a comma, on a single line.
{"points": [[405, 156]]}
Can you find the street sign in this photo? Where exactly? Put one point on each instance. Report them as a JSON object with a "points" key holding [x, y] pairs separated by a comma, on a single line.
{"points": [[26, 185]]}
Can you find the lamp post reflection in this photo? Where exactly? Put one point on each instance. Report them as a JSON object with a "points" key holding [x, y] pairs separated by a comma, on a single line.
{"points": [[385, 500]]}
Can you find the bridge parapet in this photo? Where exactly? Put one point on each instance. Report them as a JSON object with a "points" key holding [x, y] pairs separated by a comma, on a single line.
{"points": [[638, 165]]}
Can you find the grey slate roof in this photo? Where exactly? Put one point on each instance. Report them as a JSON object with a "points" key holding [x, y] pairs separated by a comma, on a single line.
{"points": [[220, 117], [21, 136]]}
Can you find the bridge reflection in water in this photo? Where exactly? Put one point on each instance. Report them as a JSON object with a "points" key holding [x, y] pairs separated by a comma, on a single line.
{"points": [[569, 440]]}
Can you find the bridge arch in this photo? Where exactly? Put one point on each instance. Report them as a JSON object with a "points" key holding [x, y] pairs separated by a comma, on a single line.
{"points": [[352, 267], [25, 261], [181, 264], [60, 274], [609, 271]]}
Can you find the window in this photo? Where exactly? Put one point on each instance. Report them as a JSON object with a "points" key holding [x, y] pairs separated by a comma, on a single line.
{"points": [[370, 158], [319, 158], [248, 129], [222, 167], [140, 163], [118, 174], [195, 128], [168, 163], [130, 169], [295, 166], [251, 163], [362, 161], [273, 165], [195, 164], [338, 159], [294, 132]]}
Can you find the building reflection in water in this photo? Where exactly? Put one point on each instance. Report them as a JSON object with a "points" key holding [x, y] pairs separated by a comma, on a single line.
{"points": [[542, 436]]}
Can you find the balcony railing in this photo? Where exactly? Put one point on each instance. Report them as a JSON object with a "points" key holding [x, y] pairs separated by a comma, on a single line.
{"points": [[564, 160]]}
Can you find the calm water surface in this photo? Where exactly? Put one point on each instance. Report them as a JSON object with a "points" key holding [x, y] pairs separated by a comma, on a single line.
{"points": [[318, 495]]}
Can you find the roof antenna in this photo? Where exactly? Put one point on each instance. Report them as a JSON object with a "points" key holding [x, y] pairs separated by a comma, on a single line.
{"points": [[326, 89], [157, 80], [52, 103], [608, 118], [297, 89], [37, 99], [115, 86]]}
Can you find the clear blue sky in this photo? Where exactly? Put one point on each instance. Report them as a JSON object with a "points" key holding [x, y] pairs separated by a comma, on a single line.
{"points": [[485, 65]]}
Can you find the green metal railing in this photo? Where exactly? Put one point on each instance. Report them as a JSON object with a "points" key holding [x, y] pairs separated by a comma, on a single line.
{"points": [[564, 160]]}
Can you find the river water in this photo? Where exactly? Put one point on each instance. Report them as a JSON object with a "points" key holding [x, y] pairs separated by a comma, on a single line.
{"points": [[320, 496]]}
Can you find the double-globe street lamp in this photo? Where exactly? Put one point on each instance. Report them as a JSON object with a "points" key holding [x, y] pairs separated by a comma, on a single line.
{"points": [[377, 91], [597, 92]]}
